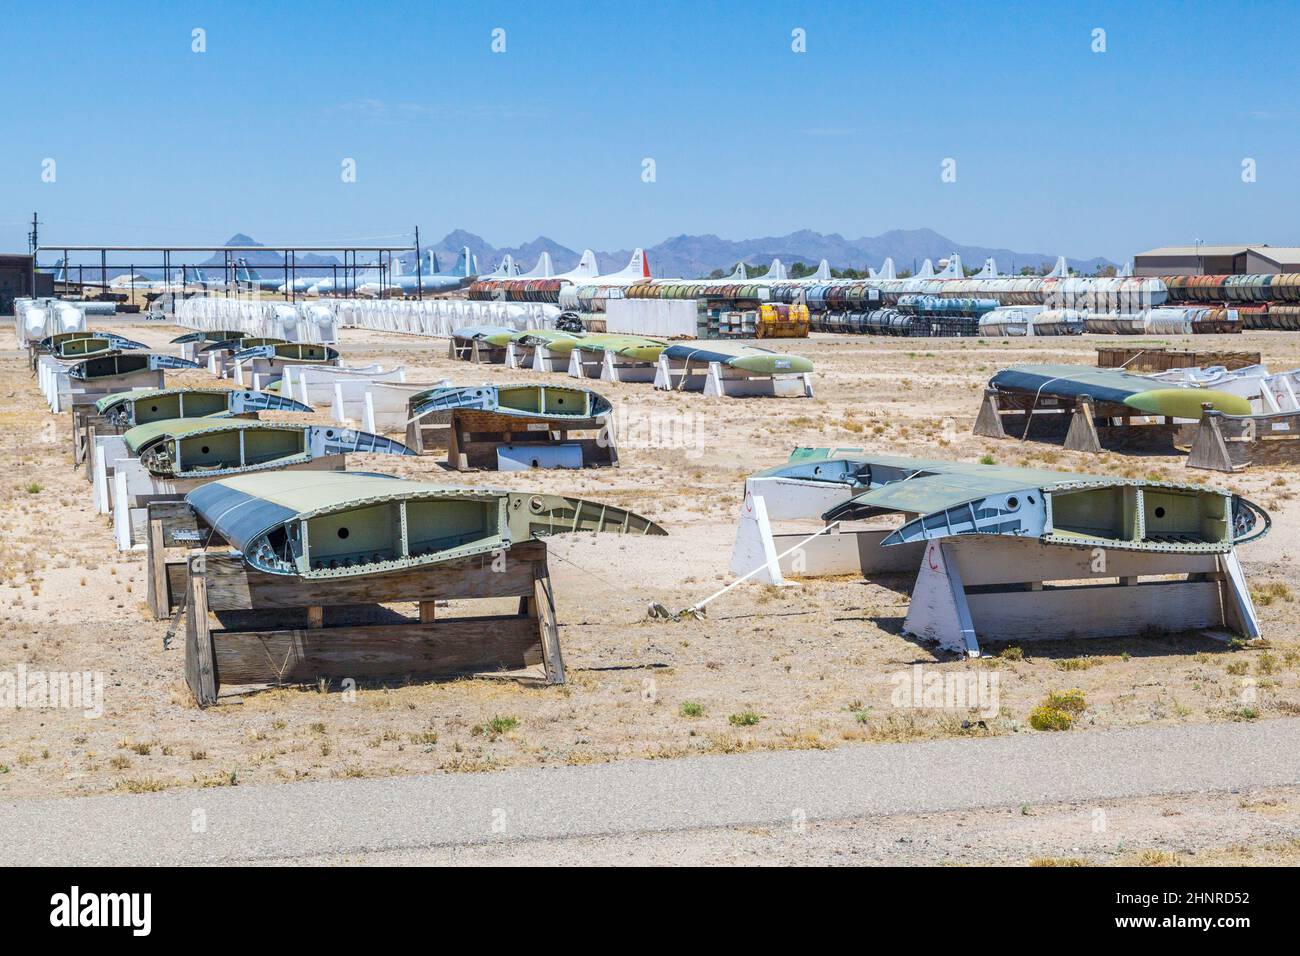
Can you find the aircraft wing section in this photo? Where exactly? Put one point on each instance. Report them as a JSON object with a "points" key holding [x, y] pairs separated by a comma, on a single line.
{"points": [[923, 495]]}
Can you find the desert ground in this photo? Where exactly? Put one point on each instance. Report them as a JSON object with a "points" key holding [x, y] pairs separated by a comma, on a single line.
{"points": [[768, 668]]}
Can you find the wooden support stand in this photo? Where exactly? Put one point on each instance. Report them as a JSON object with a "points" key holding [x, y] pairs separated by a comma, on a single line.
{"points": [[1081, 424], [1135, 359], [1232, 442], [1082, 435], [476, 439], [988, 423], [246, 627], [86, 424]]}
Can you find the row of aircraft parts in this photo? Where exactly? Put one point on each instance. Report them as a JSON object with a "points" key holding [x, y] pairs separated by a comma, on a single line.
{"points": [[126, 363], [522, 401], [208, 447], [1283, 287], [77, 345], [138, 407], [216, 335], [340, 525]]}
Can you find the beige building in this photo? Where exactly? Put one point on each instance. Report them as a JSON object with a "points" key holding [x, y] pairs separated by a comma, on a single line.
{"points": [[1261, 259]]}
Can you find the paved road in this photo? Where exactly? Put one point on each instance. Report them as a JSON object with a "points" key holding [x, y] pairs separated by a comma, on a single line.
{"points": [[340, 817]]}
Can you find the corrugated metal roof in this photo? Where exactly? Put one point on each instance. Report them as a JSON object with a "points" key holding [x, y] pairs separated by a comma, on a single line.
{"points": [[1280, 254], [1201, 251]]}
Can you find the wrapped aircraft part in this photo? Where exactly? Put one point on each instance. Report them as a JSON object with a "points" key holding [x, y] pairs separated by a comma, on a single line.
{"points": [[1214, 321], [1009, 320], [1058, 322], [1276, 317], [943, 305]]}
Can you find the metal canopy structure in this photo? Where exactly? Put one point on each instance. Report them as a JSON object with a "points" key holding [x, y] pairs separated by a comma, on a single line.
{"points": [[168, 257]]}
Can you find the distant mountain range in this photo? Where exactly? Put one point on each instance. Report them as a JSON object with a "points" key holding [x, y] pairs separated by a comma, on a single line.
{"points": [[691, 256]]}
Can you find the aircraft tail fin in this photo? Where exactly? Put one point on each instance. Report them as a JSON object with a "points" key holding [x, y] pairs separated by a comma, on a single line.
{"points": [[464, 264], [952, 270], [886, 270], [1126, 272], [823, 273], [60, 271], [587, 266], [776, 271], [1060, 271], [638, 267], [926, 271], [738, 272], [543, 269]]}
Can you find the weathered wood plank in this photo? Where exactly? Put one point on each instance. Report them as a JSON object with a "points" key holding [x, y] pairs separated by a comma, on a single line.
{"points": [[543, 604], [157, 577], [200, 671], [233, 586], [381, 652]]}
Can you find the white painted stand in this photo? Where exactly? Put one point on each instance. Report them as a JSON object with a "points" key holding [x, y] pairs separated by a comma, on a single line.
{"points": [[853, 551], [1093, 596], [544, 360], [615, 368], [519, 355], [584, 364], [717, 380], [107, 450]]}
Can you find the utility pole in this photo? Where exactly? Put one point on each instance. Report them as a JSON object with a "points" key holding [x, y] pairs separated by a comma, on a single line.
{"points": [[33, 240], [419, 279]]}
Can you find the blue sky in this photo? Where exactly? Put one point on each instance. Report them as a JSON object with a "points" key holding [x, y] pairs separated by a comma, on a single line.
{"points": [[1058, 149]]}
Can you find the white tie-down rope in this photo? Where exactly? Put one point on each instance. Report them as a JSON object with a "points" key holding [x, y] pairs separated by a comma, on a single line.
{"points": [[699, 605]]}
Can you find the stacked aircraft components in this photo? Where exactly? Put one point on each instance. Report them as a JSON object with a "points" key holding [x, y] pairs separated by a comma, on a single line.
{"points": [[441, 317], [1261, 301], [292, 322], [516, 290], [912, 315], [37, 319]]}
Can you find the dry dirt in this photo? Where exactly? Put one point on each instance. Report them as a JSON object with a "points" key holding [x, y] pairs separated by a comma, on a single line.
{"points": [[811, 663]]}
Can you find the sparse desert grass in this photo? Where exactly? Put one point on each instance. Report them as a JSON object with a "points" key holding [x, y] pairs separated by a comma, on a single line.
{"points": [[1056, 861], [1266, 594]]}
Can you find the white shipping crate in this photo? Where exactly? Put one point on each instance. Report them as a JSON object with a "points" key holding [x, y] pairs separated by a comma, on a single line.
{"points": [[657, 318]]}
